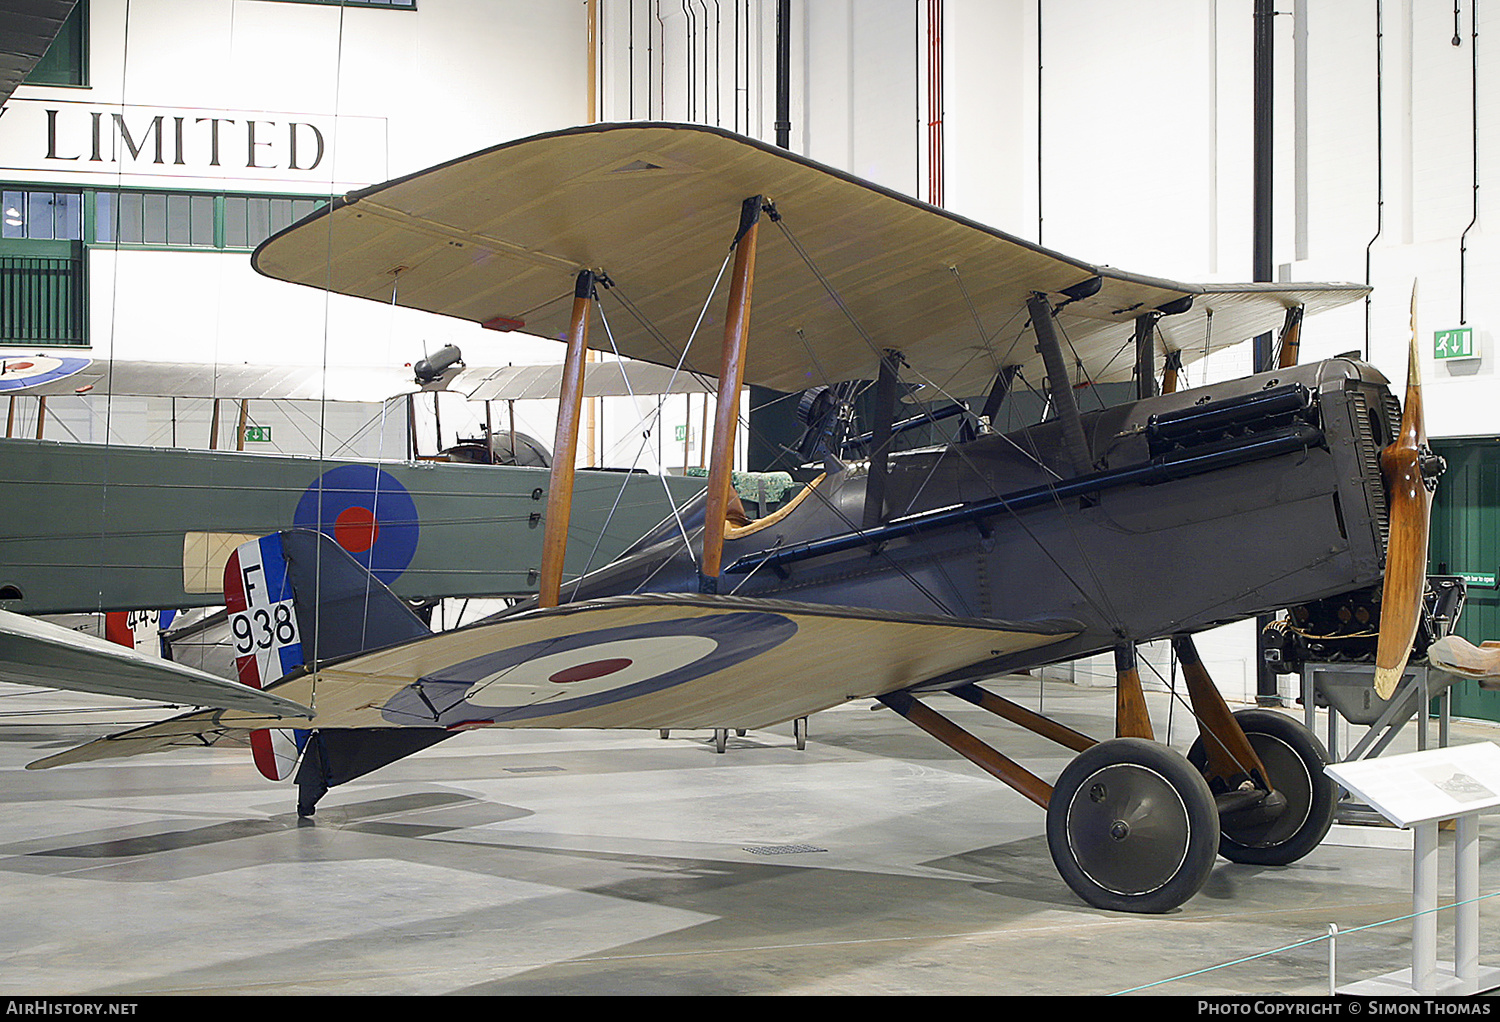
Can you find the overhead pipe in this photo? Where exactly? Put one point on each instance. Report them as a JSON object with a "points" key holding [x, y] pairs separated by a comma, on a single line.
{"points": [[1379, 158], [1263, 163], [935, 102], [1463, 241], [1038, 122], [1264, 89], [692, 55], [784, 73]]}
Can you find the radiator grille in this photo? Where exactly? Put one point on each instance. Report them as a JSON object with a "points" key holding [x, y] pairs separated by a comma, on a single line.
{"points": [[1370, 438]]}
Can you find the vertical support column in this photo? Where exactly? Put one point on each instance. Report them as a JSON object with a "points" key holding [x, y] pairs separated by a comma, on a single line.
{"points": [[510, 417], [1290, 344], [213, 428], [1230, 755], [1424, 882], [731, 379], [411, 428], [41, 415], [10, 417], [1466, 898], [1131, 717], [998, 393], [1061, 386], [565, 447], [1145, 355], [1170, 372], [880, 439], [239, 436]]}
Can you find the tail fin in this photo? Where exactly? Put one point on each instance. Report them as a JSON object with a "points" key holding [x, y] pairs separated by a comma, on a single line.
{"points": [[295, 596]]}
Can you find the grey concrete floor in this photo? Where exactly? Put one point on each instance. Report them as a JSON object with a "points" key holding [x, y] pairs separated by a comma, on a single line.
{"points": [[875, 861]]}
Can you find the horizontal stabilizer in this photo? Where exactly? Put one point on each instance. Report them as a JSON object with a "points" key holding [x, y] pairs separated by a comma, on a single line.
{"points": [[40, 653], [197, 730]]}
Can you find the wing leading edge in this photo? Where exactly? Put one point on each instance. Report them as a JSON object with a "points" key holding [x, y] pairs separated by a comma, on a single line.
{"points": [[496, 238], [622, 662]]}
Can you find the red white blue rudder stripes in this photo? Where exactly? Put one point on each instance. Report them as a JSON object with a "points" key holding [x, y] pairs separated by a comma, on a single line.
{"points": [[267, 644]]}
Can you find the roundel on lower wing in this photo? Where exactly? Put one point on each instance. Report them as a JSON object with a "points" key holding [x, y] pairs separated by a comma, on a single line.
{"points": [[592, 668], [35, 370], [367, 512]]}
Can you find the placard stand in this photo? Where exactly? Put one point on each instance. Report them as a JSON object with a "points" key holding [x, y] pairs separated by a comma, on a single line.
{"points": [[1415, 792]]}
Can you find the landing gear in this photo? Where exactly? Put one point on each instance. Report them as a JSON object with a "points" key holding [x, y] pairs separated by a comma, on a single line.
{"points": [[1282, 833], [1132, 826]]}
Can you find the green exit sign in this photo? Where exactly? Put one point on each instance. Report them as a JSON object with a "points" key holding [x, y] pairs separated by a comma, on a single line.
{"points": [[1483, 579], [257, 434], [1454, 344]]}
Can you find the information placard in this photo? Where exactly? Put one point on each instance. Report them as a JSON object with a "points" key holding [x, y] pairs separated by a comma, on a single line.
{"points": [[1438, 784]]}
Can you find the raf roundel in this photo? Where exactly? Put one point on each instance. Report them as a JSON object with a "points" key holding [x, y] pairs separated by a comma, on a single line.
{"points": [[367, 512], [35, 370], [590, 669]]}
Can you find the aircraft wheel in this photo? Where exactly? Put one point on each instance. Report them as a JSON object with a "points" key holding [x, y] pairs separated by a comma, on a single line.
{"points": [[1295, 759], [1132, 827]]}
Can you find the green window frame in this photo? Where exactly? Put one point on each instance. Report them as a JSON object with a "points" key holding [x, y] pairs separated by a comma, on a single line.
{"points": [[45, 231], [43, 293], [211, 221]]}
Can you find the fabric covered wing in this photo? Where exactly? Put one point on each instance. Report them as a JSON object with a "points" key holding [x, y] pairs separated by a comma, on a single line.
{"points": [[40, 653], [623, 662], [497, 238]]}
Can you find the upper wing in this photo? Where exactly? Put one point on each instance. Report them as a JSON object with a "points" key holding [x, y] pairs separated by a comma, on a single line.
{"points": [[48, 375], [497, 237], [622, 662], [36, 652]]}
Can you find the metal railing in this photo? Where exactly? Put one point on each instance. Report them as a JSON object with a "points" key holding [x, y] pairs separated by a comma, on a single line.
{"points": [[42, 301]]}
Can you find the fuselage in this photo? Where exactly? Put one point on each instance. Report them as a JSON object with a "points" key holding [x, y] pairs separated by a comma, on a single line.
{"points": [[1202, 507]]}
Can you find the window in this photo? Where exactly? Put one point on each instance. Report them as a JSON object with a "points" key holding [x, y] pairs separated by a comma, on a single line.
{"points": [[249, 220], [193, 219], [66, 60], [41, 216], [43, 234], [41, 267]]}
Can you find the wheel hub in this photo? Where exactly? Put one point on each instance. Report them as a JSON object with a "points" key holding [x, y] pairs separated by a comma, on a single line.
{"points": [[1130, 832]]}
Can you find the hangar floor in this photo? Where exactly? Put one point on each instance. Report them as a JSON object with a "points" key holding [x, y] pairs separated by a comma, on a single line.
{"points": [[510, 862]]}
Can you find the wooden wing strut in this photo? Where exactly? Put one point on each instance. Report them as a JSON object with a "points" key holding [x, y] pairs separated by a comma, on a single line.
{"points": [[731, 379], [565, 447]]}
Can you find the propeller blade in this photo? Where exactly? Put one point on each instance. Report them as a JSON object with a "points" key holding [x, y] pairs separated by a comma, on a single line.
{"points": [[1406, 551]]}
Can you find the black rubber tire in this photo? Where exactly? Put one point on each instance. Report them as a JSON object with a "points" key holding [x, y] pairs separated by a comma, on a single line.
{"points": [[1295, 759], [1132, 827]]}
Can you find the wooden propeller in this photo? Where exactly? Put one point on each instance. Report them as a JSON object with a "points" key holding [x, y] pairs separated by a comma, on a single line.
{"points": [[1403, 463]]}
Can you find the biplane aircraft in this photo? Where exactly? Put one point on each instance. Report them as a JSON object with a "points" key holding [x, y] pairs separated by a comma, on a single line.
{"points": [[894, 573]]}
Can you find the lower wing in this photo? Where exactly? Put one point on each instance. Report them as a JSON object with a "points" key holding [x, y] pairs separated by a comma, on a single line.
{"points": [[623, 662]]}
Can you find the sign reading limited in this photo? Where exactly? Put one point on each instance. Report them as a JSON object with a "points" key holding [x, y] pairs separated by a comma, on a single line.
{"points": [[56, 137]]}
